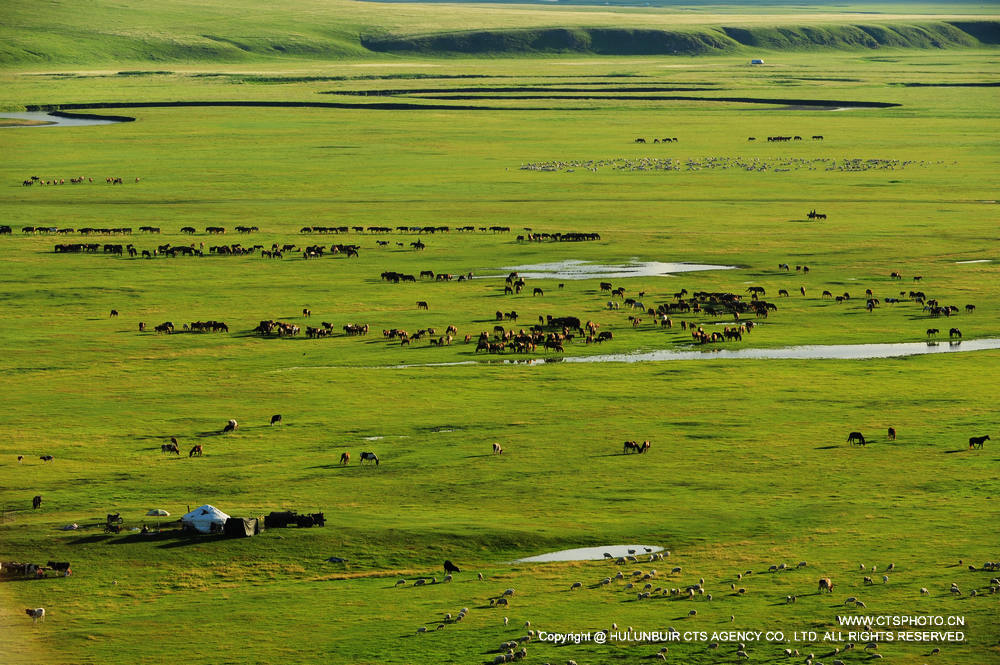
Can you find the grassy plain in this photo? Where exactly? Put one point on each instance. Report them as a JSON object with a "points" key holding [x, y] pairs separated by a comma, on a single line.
{"points": [[748, 465]]}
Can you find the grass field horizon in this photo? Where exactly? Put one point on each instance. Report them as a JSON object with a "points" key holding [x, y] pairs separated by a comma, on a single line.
{"points": [[748, 467]]}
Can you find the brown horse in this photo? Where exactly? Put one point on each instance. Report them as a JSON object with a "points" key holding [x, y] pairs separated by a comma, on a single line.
{"points": [[892, 433], [197, 450], [345, 458]]}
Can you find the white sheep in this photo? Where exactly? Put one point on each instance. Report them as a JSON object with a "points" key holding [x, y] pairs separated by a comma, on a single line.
{"points": [[577, 585]]}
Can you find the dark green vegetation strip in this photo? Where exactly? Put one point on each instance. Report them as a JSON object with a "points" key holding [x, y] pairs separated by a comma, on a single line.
{"points": [[623, 41]]}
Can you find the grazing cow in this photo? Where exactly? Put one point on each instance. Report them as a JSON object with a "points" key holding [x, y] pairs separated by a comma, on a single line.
{"points": [[114, 313], [197, 450], [856, 438], [631, 447], [36, 502], [369, 457], [892, 433], [231, 426], [61, 566], [497, 450], [36, 614], [276, 418], [449, 567], [46, 458], [170, 448], [977, 441], [345, 458], [306, 312], [142, 327], [826, 584], [422, 304]]}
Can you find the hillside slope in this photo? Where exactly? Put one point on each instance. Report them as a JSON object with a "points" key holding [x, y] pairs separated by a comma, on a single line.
{"points": [[185, 31]]}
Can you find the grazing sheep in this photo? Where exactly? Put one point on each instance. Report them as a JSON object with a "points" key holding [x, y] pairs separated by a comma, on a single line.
{"points": [[860, 604], [504, 602], [871, 646], [447, 578], [802, 564], [869, 580], [885, 579], [692, 613], [481, 578], [400, 582], [505, 621], [924, 591], [742, 654], [508, 592], [36, 614], [422, 629], [676, 570], [851, 601]]}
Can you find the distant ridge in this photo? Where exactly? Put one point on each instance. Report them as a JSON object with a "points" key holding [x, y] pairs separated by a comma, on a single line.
{"points": [[697, 41]]}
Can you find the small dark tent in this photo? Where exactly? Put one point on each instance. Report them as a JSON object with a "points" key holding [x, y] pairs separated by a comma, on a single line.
{"points": [[242, 527]]}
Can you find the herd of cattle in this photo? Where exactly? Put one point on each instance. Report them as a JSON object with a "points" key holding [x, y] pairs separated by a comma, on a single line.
{"points": [[37, 180]]}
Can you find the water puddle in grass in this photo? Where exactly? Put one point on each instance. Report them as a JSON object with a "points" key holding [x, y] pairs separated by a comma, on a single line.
{"points": [[48, 120], [975, 261], [575, 269], [809, 352], [592, 553]]}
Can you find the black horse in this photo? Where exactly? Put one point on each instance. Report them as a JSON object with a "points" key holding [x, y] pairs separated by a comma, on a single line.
{"points": [[977, 441], [856, 438], [449, 567]]}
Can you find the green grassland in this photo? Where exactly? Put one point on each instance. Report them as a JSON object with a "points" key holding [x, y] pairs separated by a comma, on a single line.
{"points": [[748, 466]]}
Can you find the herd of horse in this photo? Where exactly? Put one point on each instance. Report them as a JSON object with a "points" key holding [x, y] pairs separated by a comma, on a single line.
{"points": [[858, 439]]}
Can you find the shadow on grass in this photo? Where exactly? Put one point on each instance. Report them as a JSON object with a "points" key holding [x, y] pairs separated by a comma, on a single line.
{"points": [[826, 447]]}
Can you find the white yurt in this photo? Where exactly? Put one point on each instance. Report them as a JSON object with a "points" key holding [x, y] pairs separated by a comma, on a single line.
{"points": [[206, 519]]}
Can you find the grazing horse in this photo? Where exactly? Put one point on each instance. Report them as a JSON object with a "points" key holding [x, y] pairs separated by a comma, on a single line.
{"points": [[977, 441], [422, 304], [369, 457], [197, 450], [955, 332], [856, 438], [37, 501], [345, 458], [114, 312], [497, 450], [632, 447], [231, 426], [826, 584], [170, 448], [276, 418], [537, 292], [449, 567], [892, 433], [932, 331]]}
